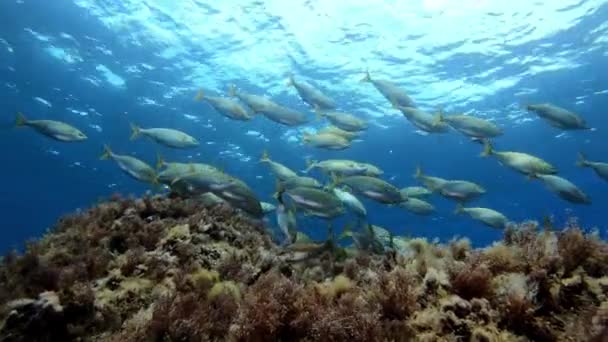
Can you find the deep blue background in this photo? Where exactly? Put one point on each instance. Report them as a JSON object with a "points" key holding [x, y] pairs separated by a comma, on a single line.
{"points": [[39, 187]]}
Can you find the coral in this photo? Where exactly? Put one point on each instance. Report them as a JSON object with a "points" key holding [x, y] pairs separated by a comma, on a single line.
{"points": [[172, 269]]}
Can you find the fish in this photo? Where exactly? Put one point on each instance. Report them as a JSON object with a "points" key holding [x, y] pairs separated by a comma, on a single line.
{"points": [[415, 191], [462, 191], [417, 206], [390, 91], [339, 132], [286, 220], [351, 202], [300, 181], [343, 167], [210, 199], [133, 167], [558, 117], [521, 162], [240, 196], [489, 217], [471, 126], [311, 95], [600, 168], [53, 129], [423, 120], [564, 188], [269, 108], [315, 202], [367, 237], [165, 136], [171, 170], [257, 103], [432, 183], [280, 171], [371, 187], [343, 121], [326, 141], [267, 207], [225, 106]]}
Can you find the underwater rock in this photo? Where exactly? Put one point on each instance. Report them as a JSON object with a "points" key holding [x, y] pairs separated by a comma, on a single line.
{"points": [[172, 269]]}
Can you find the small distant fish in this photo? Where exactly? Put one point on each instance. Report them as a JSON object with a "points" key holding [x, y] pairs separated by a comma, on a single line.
{"points": [[521, 162], [326, 141], [564, 189], [311, 95], [225, 106], [600, 168], [470, 126], [558, 117], [165, 136], [54, 129], [418, 206], [344, 121], [487, 216], [415, 191], [132, 166], [351, 202], [390, 91], [423, 120], [280, 171]]}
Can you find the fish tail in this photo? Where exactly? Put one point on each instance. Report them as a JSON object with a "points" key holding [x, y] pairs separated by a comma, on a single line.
{"points": [[367, 77], [160, 162], [487, 148], [335, 181], [318, 112], [582, 160], [279, 190], [265, 156], [459, 209], [135, 131], [200, 95], [306, 137], [107, 153], [20, 121], [232, 90]]}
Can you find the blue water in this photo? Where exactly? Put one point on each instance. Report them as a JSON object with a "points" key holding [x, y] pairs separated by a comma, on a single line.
{"points": [[100, 65]]}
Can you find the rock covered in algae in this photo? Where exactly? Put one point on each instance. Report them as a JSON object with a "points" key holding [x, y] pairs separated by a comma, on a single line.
{"points": [[170, 269]]}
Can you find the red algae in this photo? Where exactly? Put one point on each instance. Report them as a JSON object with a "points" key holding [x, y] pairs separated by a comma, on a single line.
{"points": [[171, 269]]}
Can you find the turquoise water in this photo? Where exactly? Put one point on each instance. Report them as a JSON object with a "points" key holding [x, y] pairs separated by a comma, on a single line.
{"points": [[101, 65]]}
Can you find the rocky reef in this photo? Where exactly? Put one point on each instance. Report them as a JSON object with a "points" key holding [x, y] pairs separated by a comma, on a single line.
{"points": [[171, 269]]}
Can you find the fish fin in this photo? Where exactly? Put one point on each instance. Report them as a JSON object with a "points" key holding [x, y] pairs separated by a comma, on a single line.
{"points": [[310, 164], [367, 77], [232, 90], [290, 80], [135, 131], [488, 150], [200, 95], [20, 121], [582, 160], [335, 180], [459, 209], [107, 153], [265, 156], [439, 118], [160, 162], [419, 174], [279, 190], [532, 176], [306, 137]]}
